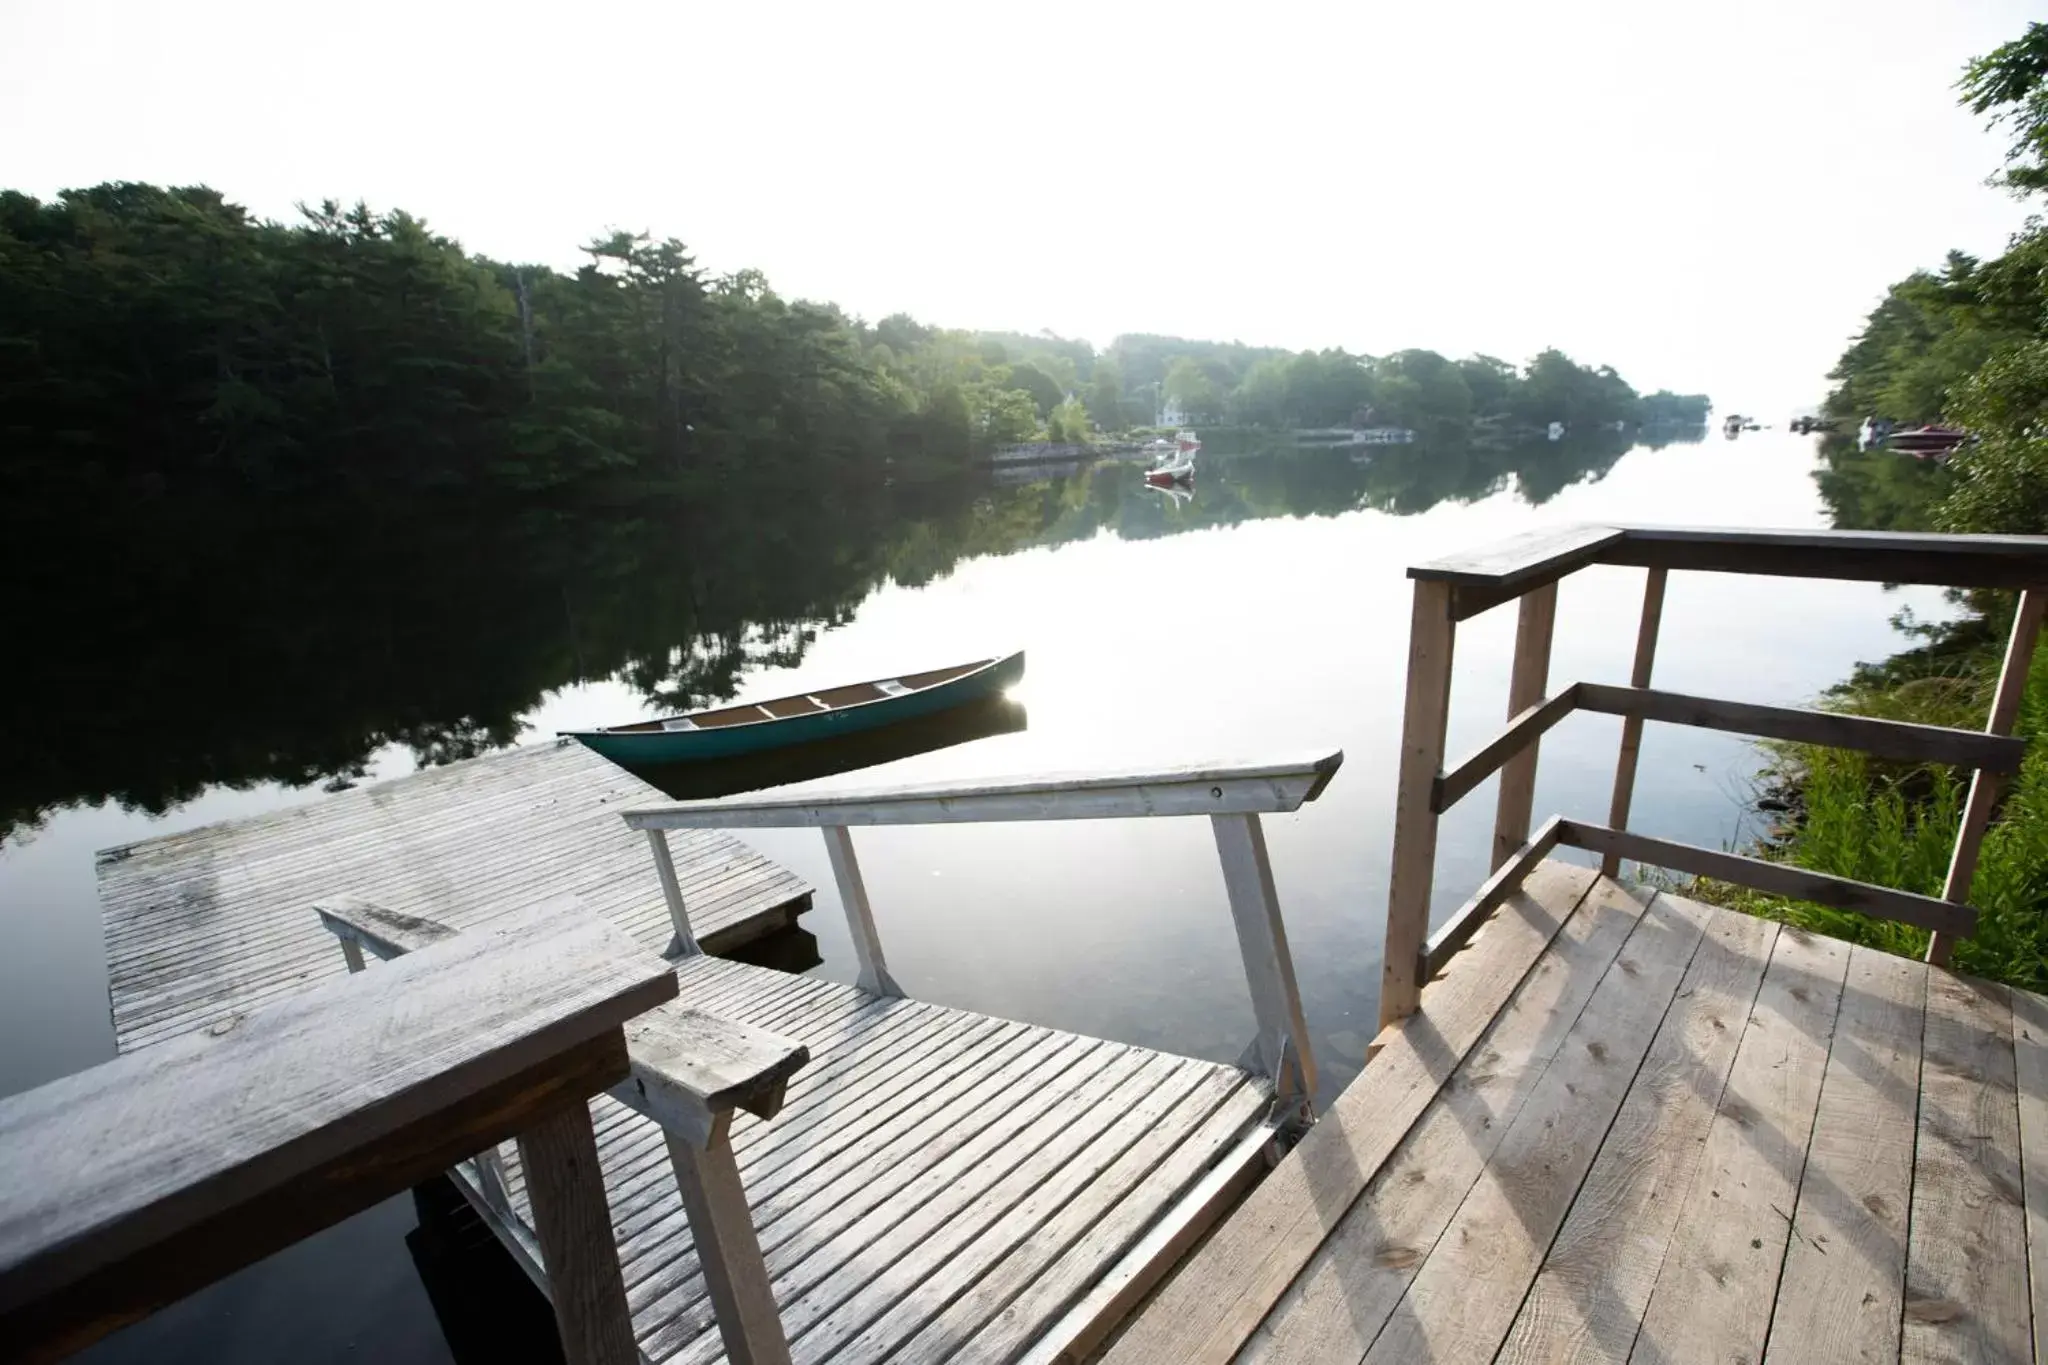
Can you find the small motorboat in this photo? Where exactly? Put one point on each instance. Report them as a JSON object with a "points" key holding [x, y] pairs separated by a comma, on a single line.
{"points": [[1179, 469], [1928, 442], [801, 718]]}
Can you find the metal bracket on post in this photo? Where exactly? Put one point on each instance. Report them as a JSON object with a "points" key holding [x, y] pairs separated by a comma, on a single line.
{"points": [[860, 916], [1282, 1047], [684, 944]]}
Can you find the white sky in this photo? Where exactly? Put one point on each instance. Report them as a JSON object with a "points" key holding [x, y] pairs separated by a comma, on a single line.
{"points": [[1706, 197]]}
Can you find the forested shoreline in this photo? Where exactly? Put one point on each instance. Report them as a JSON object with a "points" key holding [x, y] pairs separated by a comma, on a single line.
{"points": [[160, 340], [1966, 344]]}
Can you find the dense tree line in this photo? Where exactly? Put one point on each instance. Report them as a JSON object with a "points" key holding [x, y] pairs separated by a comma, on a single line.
{"points": [[158, 338], [1965, 344]]}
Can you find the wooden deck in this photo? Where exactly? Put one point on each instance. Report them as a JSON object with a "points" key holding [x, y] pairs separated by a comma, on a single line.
{"points": [[215, 921], [1627, 1126], [940, 1185]]}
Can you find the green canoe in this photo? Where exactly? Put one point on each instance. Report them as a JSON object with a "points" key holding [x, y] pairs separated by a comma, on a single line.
{"points": [[799, 719]]}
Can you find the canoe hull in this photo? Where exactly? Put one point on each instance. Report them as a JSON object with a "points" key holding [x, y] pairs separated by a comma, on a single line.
{"points": [[647, 748]]}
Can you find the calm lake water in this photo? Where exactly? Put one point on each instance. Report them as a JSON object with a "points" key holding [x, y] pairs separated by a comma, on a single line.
{"points": [[1265, 617]]}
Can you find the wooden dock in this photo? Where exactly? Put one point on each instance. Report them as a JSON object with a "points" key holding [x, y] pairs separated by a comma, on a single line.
{"points": [[939, 1185], [216, 921], [1627, 1126]]}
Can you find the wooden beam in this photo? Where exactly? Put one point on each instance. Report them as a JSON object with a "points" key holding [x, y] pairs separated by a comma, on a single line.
{"points": [[1455, 785], [860, 916], [215, 1149], [1505, 881], [1632, 726], [690, 1067], [1777, 879], [1526, 686], [1194, 789], [683, 943], [1283, 1045], [573, 1224], [2005, 711], [1483, 579], [1856, 556], [360, 924], [728, 1247], [1884, 738], [1431, 637]]}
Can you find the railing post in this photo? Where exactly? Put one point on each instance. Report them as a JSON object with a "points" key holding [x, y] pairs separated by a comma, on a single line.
{"points": [[573, 1224], [1282, 1045], [860, 916], [2005, 711], [1526, 686], [1632, 726], [1431, 634], [352, 954], [728, 1247], [684, 944]]}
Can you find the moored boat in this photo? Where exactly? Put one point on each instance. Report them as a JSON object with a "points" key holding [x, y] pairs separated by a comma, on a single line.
{"points": [[806, 716]]}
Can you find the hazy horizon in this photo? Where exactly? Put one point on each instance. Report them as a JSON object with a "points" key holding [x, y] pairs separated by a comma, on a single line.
{"points": [[1704, 201]]}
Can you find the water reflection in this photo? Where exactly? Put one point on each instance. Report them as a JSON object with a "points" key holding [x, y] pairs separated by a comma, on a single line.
{"points": [[211, 645]]}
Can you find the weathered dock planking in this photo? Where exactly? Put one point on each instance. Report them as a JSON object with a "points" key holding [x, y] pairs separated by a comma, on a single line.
{"points": [[216, 921], [938, 1186], [1628, 1126]]}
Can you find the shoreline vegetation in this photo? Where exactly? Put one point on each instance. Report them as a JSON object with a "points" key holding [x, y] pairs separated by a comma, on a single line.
{"points": [[276, 497], [1965, 345]]}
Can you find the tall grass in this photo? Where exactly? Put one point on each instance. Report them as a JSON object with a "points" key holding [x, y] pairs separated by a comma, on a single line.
{"points": [[1895, 825]]}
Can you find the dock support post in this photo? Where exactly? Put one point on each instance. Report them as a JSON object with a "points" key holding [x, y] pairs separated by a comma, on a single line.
{"points": [[1526, 685], [1632, 726], [1431, 634], [573, 1224], [1282, 1045], [1984, 787], [352, 954], [860, 916], [728, 1247], [684, 944]]}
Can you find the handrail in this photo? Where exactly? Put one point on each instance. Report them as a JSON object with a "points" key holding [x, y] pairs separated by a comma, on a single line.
{"points": [[1487, 577], [1232, 795], [1529, 567], [135, 1182], [1190, 789]]}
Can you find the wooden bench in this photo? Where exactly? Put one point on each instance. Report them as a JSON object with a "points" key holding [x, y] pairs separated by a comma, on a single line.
{"points": [[131, 1184], [689, 1071]]}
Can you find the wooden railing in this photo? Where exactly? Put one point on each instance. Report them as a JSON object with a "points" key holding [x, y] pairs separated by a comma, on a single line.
{"points": [[133, 1183], [1528, 570], [1232, 796], [688, 1071]]}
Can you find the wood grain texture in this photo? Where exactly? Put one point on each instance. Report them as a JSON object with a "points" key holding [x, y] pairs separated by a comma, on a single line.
{"points": [[2030, 1067], [1781, 879], [1465, 1295], [934, 1177], [1885, 738], [1966, 1259], [574, 1228], [1632, 727], [1522, 730], [1342, 1298], [729, 1249], [1211, 788], [1448, 937], [1860, 556], [1984, 785], [1219, 1296], [1720, 1275], [689, 1067], [1845, 1267], [212, 922], [1596, 1278], [1528, 680], [1431, 636], [232, 1141], [1285, 1053]]}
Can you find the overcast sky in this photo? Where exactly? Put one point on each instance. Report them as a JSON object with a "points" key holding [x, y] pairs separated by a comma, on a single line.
{"points": [[1708, 196]]}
